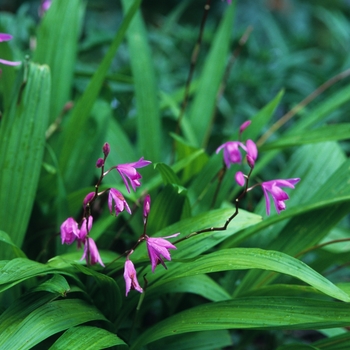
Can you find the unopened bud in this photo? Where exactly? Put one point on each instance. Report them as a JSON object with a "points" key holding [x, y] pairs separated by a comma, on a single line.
{"points": [[239, 177], [146, 206], [100, 162], [106, 149], [244, 126]]}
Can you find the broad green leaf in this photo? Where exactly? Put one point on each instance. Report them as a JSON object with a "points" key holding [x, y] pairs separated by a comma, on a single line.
{"points": [[56, 284], [87, 338], [142, 65], [334, 132], [202, 110], [5, 238], [167, 207], [22, 141], [167, 173], [107, 290], [210, 340], [47, 320], [251, 313], [339, 342], [201, 285], [57, 41], [81, 111], [255, 258]]}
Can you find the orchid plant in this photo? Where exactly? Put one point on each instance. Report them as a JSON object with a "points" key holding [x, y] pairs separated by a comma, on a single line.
{"points": [[211, 202]]}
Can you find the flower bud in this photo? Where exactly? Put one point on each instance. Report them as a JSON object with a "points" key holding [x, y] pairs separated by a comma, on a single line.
{"points": [[106, 149], [146, 206], [100, 163], [239, 177], [88, 198], [244, 126]]}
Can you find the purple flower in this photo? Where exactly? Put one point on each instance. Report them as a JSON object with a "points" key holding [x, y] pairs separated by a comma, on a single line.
{"points": [[278, 195], [240, 179], [128, 171], [84, 229], [7, 37], [88, 198], [120, 202], [91, 252], [244, 126], [130, 277], [232, 153], [252, 153], [158, 249], [69, 231], [45, 5]]}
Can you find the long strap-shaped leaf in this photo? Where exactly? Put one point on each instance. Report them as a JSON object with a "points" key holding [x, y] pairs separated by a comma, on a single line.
{"points": [[81, 112], [22, 141], [148, 116], [253, 313]]}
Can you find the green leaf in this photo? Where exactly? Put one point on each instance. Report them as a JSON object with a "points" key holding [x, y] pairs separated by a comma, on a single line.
{"points": [[87, 338], [57, 284], [262, 118], [148, 115], [57, 41], [167, 173], [209, 340], [335, 132], [107, 290], [5, 238], [22, 141], [339, 342], [254, 258], [81, 111], [251, 313], [203, 106], [47, 320]]}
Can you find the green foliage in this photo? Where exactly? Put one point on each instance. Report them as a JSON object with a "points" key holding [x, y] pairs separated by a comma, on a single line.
{"points": [[116, 73]]}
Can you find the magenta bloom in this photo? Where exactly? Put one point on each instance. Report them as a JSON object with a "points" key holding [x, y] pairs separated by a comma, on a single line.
{"points": [[158, 249], [278, 195], [244, 126], [91, 252], [85, 229], [7, 37], [128, 171], [88, 198], [240, 179], [130, 277], [252, 153], [119, 200], [69, 231], [232, 153]]}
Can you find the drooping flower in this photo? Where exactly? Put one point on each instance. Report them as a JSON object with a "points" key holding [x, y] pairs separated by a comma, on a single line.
{"points": [[232, 153], [130, 277], [91, 252], [69, 231], [158, 249], [7, 37], [252, 153], [128, 171], [84, 229], [119, 200], [239, 177], [278, 195]]}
